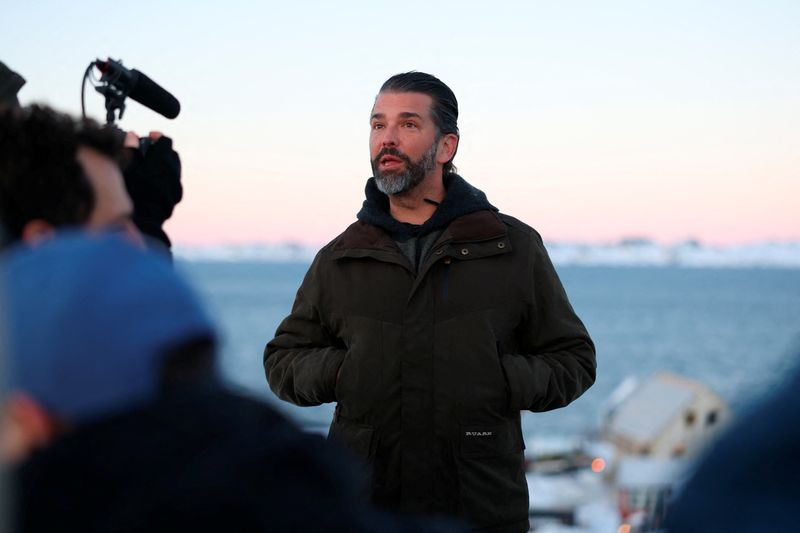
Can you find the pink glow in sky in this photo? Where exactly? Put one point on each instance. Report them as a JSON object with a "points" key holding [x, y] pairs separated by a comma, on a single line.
{"points": [[663, 120]]}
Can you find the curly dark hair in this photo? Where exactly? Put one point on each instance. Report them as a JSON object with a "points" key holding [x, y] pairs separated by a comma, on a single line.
{"points": [[40, 177]]}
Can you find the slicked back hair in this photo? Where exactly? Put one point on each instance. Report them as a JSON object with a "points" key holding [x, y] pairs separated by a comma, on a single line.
{"points": [[444, 110], [40, 177]]}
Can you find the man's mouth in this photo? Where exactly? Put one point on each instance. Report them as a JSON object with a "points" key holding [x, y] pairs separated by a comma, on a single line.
{"points": [[390, 161]]}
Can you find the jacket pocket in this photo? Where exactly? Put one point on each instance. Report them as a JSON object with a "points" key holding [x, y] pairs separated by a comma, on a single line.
{"points": [[359, 385], [358, 438], [360, 441], [491, 474], [511, 403], [472, 376]]}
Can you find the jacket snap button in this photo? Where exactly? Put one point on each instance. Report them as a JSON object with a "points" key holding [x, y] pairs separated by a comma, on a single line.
{"points": [[464, 251], [501, 245]]}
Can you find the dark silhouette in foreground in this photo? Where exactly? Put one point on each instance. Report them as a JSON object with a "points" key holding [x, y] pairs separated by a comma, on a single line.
{"points": [[749, 482], [116, 419]]}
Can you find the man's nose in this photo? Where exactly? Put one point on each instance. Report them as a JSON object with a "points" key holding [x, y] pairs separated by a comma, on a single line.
{"points": [[389, 137]]}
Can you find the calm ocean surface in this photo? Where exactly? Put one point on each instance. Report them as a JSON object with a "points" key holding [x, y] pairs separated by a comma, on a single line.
{"points": [[737, 330]]}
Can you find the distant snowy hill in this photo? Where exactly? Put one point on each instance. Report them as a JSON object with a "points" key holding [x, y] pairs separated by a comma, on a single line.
{"points": [[630, 252], [275, 253], [687, 254]]}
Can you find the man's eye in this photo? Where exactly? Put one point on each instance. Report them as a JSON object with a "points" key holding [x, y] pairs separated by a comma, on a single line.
{"points": [[409, 125], [377, 126]]}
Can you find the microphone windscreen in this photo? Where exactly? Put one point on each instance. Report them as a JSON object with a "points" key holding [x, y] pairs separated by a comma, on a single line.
{"points": [[152, 95]]}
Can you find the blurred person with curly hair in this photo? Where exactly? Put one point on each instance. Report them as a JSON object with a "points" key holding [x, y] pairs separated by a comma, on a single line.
{"points": [[58, 172], [150, 167]]}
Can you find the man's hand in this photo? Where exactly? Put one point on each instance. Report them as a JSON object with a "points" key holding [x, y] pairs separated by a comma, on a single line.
{"points": [[132, 140], [153, 180]]}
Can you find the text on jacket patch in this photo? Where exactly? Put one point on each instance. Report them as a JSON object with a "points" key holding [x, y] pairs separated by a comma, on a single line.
{"points": [[478, 433]]}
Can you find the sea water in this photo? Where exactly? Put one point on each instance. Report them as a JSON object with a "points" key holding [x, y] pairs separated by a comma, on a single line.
{"points": [[736, 330]]}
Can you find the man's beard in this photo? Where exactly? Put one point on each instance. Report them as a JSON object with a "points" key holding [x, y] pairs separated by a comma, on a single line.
{"points": [[391, 183]]}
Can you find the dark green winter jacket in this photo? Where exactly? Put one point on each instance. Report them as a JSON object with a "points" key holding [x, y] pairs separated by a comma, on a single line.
{"points": [[431, 370]]}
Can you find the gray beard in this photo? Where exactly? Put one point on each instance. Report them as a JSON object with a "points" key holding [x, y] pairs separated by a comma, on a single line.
{"points": [[392, 183]]}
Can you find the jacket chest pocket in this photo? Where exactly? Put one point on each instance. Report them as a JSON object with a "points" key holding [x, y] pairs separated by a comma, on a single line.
{"points": [[469, 286]]}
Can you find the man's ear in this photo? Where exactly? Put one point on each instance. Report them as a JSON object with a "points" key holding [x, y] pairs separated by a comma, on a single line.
{"points": [[24, 428], [448, 146], [37, 231]]}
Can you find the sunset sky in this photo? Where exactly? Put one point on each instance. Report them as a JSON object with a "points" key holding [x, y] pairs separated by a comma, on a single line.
{"points": [[590, 121]]}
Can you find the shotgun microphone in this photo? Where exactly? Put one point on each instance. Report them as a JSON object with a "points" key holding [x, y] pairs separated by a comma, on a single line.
{"points": [[137, 86]]}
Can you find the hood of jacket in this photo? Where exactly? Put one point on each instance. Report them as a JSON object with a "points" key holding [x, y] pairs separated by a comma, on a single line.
{"points": [[461, 199]]}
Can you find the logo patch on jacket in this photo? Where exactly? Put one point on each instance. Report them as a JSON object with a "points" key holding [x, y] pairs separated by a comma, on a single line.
{"points": [[478, 433]]}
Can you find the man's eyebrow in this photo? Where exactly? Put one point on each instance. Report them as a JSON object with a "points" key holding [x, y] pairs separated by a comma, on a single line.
{"points": [[404, 114]]}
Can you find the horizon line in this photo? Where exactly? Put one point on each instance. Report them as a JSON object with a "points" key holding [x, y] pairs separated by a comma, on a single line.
{"points": [[632, 240]]}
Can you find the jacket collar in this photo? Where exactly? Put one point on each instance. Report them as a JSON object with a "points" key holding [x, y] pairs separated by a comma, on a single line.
{"points": [[474, 227]]}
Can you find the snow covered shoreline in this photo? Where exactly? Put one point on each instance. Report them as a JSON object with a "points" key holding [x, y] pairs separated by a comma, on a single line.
{"points": [[628, 253]]}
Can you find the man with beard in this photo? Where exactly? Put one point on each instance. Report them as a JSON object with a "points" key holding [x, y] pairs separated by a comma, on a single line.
{"points": [[432, 321]]}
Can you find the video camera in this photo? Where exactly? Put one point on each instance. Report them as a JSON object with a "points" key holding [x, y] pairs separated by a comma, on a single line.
{"points": [[118, 82]]}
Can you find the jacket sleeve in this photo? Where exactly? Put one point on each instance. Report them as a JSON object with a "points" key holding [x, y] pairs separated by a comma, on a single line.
{"points": [[558, 360], [302, 361]]}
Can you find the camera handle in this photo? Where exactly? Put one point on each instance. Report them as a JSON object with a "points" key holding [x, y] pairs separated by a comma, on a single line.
{"points": [[114, 95], [115, 101]]}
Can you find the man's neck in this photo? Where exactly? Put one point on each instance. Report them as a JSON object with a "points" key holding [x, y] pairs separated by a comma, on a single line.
{"points": [[411, 207]]}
